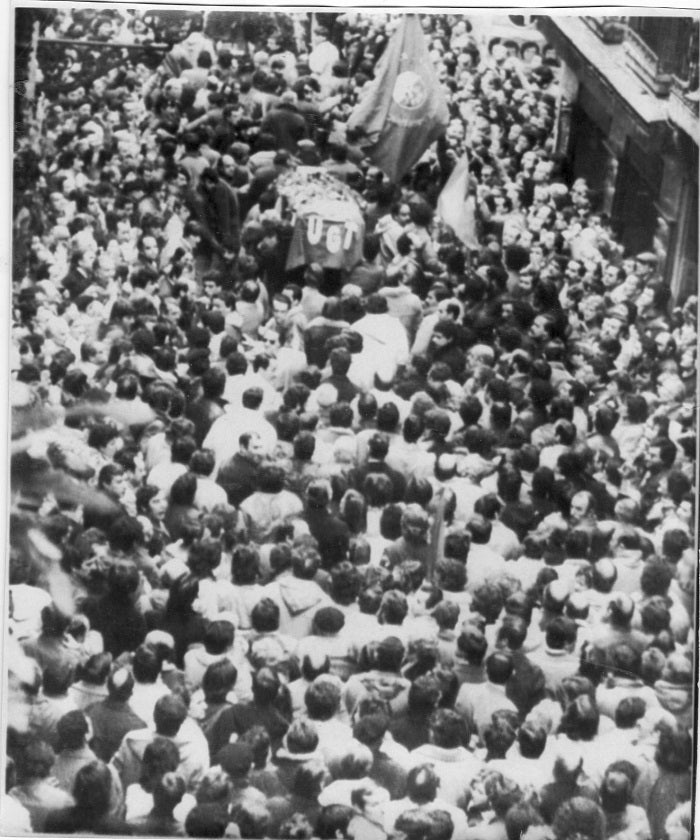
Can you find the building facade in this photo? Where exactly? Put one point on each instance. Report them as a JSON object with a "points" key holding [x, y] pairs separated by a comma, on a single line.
{"points": [[628, 124]]}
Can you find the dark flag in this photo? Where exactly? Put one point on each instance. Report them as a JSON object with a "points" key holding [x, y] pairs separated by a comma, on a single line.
{"points": [[405, 109]]}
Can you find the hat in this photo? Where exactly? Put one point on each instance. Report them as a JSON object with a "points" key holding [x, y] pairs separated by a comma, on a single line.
{"points": [[647, 258], [235, 759]]}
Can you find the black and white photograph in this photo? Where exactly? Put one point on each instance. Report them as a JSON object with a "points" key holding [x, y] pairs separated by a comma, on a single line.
{"points": [[352, 423]]}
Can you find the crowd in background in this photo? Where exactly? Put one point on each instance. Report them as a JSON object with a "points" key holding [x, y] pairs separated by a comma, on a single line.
{"points": [[402, 550]]}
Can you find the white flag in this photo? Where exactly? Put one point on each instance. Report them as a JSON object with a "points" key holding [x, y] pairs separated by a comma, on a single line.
{"points": [[456, 208]]}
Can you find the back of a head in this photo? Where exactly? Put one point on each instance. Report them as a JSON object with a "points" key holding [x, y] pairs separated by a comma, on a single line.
{"points": [[333, 821], [301, 737], [322, 699], [579, 817], [218, 680], [120, 685], [561, 633], [145, 665], [448, 729], [207, 821], [479, 529], [72, 730], [92, 788], [253, 820], [532, 740], [512, 632], [472, 645], [629, 710], [424, 694], [169, 714], [422, 784], [389, 654], [519, 819], [266, 686], [499, 667], [581, 719], [354, 763]]}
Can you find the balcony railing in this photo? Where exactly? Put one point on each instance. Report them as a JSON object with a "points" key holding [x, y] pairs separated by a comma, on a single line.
{"points": [[645, 63]]}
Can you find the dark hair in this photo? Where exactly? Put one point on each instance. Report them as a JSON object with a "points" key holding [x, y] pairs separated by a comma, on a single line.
{"points": [[333, 820], [580, 719], [322, 699], [499, 667], [488, 600], [145, 665], [451, 575], [208, 820], [265, 616], [629, 710], [302, 737], [95, 669], [532, 740], [579, 817], [218, 680], [160, 756], [218, 637], [92, 789], [448, 729], [512, 632], [245, 564], [422, 784], [266, 686], [71, 730], [560, 633], [675, 749], [521, 816]]}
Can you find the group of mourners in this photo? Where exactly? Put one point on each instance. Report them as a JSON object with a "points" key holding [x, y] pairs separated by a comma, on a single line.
{"points": [[399, 550]]}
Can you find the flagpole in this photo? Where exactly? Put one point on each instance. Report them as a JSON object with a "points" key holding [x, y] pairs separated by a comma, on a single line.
{"points": [[30, 92], [437, 535]]}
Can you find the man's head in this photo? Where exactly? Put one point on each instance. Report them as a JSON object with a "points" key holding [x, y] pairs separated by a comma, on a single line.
{"points": [[499, 667], [169, 714]]}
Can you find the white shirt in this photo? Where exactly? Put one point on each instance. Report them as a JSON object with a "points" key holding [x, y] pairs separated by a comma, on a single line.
{"points": [[14, 817], [209, 494], [385, 342], [163, 476], [322, 58], [483, 564], [144, 698]]}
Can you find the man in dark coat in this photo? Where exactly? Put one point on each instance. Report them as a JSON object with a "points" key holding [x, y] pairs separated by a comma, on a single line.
{"points": [[286, 123], [218, 211]]}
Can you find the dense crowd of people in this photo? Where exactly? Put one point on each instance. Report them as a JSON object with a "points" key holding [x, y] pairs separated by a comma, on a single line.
{"points": [[398, 550]]}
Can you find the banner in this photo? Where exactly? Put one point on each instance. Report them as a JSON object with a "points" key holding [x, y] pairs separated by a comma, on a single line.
{"points": [[329, 228], [405, 109], [330, 242]]}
